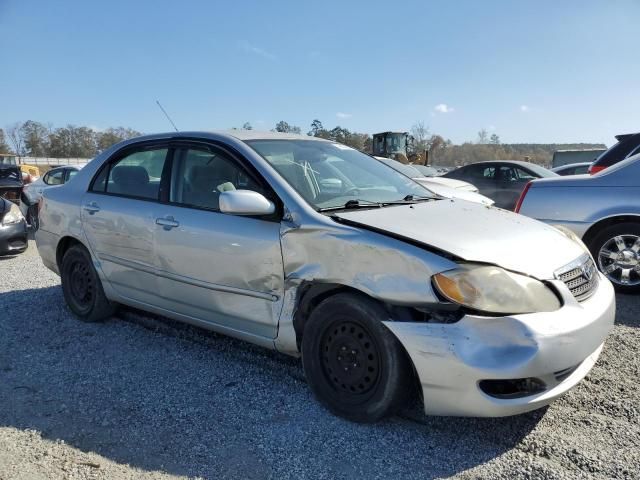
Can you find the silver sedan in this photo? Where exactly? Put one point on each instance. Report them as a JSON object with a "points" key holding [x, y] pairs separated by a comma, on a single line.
{"points": [[317, 250], [602, 209]]}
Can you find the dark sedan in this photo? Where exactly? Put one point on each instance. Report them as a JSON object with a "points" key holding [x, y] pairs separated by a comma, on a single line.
{"points": [[501, 180], [13, 229]]}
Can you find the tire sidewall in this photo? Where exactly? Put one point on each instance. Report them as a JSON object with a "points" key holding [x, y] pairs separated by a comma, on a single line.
{"points": [[603, 237]]}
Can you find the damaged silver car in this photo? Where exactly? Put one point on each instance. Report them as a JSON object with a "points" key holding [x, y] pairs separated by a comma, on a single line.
{"points": [[316, 250]]}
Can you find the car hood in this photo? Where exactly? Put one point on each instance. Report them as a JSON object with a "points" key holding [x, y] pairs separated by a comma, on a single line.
{"points": [[475, 233], [449, 182], [448, 192]]}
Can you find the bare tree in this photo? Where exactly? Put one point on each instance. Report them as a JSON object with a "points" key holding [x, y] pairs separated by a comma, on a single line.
{"points": [[14, 133], [483, 136], [420, 133]]}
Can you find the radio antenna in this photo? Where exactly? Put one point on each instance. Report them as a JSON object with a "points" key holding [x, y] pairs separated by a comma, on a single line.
{"points": [[167, 115]]}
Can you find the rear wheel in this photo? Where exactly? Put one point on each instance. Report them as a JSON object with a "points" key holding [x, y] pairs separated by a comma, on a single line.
{"points": [[617, 252], [355, 366], [82, 288]]}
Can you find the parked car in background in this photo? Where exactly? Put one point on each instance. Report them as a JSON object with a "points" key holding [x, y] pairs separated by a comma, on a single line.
{"points": [[11, 183], [445, 187], [500, 180], [624, 147], [13, 229], [33, 191], [602, 209], [317, 250], [572, 169], [55, 176]]}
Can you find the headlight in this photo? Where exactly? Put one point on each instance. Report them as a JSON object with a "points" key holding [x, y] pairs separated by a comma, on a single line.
{"points": [[495, 290], [14, 215], [571, 236]]}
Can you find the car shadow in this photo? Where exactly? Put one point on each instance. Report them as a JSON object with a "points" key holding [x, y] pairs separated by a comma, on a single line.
{"points": [[628, 310], [163, 396]]}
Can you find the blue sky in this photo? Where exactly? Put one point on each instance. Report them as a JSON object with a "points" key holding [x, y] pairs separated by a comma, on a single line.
{"points": [[542, 71]]}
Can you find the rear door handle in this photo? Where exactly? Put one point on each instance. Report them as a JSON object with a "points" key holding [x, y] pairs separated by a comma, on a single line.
{"points": [[91, 208], [167, 223]]}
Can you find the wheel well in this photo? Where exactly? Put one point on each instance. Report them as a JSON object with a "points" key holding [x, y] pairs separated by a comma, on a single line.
{"points": [[311, 294], [63, 245], [607, 222]]}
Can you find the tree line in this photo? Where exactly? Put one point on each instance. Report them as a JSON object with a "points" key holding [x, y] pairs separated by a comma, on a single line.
{"points": [[36, 139]]}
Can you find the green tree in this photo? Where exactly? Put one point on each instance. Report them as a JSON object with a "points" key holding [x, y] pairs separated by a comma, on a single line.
{"points": [[111, 136], [73, 142], [284, 127], [494, 140], [247, 126], [36, 138]]}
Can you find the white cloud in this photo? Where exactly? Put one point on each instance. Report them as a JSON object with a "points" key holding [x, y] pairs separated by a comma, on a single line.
{"points": [[261, 52], [524, 108], [443, 108], [491, 127], [343, 115]]}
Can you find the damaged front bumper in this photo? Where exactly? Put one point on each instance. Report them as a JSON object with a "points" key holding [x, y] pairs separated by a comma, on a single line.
{"points": [[498, 366]]}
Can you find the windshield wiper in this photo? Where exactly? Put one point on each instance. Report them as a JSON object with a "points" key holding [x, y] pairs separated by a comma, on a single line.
{"points": [[353, 204]]}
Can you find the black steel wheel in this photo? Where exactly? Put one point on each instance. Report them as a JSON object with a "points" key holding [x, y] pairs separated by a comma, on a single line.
{"points": [[82, 288], [355, 366]]}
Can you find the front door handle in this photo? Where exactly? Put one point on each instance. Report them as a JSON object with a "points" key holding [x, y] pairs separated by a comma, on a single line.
{"points": [[91, 208], [167, 222]]}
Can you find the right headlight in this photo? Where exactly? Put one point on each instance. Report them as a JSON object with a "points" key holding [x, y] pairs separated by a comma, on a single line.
{"points": [[494, 290], [14, 215]]}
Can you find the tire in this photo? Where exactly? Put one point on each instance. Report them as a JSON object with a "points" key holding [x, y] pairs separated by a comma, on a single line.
{"points": [[82, 288], [613, 250], [354, 365]]}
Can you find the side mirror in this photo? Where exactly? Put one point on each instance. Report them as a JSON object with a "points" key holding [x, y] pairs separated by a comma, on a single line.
{"points": [[245, 202]]}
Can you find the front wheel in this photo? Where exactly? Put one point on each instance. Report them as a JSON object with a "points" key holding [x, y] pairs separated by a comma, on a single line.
{"points": [[616, 249], [354, 365], [82, 288]]}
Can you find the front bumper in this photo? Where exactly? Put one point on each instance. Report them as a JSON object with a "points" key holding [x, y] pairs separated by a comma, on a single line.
{"points": [[13, 238], [558, 348]]}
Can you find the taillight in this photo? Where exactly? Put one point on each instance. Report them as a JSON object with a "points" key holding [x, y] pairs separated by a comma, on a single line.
{"points": [[593, 169], [522, 195]]}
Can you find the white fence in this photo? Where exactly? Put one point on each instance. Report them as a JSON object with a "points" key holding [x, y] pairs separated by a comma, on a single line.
{"points": [[15, 160]]}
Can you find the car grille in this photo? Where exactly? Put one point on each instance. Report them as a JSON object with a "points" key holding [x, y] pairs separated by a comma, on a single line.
{"points": [[580, 276]]}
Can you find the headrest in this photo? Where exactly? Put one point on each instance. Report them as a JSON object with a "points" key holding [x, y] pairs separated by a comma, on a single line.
{"points": [[130, 174]]}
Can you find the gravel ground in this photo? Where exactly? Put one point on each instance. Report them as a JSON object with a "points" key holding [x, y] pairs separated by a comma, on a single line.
{"points": [[140, 397]]}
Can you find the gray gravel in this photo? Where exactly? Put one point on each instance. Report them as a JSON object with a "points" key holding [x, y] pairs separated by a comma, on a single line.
{"points": [[141, 397]]}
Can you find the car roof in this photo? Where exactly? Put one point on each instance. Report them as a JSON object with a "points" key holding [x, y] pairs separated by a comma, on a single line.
{"points": [[242, 135], [506, 162], [569, 165], [624, 136]]}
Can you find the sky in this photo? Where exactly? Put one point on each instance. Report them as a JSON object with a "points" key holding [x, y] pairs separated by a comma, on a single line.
{"points": [[536, 71]]}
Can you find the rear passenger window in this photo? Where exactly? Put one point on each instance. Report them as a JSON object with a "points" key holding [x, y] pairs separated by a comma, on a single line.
{"points": [[199, 176], [136, 175]]}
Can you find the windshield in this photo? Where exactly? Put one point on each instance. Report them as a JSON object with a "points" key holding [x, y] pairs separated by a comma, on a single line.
{"points": [[541, 171], [328, 175]]}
